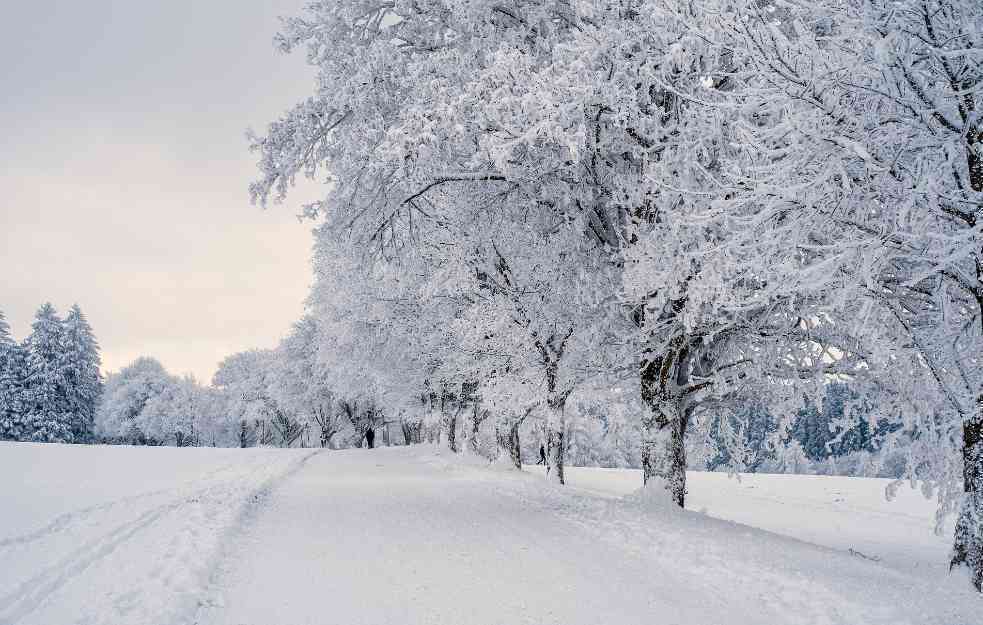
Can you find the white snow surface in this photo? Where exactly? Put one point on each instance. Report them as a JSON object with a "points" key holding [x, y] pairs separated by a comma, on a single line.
{"points": [[117, 535], [844, 513]]}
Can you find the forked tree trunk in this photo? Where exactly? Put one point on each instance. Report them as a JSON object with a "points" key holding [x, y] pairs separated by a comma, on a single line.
{"points": [[967, 548]]}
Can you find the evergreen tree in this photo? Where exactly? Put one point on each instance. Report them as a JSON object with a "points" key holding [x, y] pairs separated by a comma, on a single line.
{"points": [[49, 417], [741, 438], [825, 431], [80, 368], [11, 385]]}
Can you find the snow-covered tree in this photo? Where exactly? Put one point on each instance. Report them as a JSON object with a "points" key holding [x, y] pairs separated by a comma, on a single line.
{"points": [[125, 396], [12, 373], [883, 102], [246, 379], [776, 196], [80, 363], [48, 413]]}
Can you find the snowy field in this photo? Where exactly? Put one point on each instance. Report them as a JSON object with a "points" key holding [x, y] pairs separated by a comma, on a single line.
{"points": [[117, 535]]}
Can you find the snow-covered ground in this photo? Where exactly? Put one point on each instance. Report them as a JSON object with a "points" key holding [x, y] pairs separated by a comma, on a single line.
{"points": [[114, 535], [844, 513], [119, 535]]}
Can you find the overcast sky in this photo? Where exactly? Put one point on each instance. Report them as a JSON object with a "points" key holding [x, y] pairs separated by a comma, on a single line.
{"points": [[124, 167]]}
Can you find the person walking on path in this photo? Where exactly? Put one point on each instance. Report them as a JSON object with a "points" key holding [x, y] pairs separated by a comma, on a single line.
{"points": [[370, 437], [542, 455]]}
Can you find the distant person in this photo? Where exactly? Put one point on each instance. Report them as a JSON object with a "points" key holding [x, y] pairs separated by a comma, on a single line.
{"points": [[370, 437], [542, 455]]}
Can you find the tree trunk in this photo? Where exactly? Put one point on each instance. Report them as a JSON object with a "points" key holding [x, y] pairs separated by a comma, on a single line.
{"points": [[967, 550], [664, 449], [664, 422], [451, 419], [974, 156], [476, 420], [553, 435], [507, 436]]}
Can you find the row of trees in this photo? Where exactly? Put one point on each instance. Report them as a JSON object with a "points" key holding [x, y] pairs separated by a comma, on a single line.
{"points": [[50, 383], [709, 202]]}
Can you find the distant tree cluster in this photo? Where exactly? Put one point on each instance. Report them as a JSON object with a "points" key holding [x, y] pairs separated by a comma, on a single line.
{"points": [[50, 383], [143, 404]]}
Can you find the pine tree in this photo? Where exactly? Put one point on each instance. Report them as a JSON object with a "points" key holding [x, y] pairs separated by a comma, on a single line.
{"points": [[80, 368], [11, 385], [49, 417]]}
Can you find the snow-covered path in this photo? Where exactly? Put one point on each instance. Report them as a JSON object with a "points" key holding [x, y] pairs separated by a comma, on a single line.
{"points": [[403, 536]]}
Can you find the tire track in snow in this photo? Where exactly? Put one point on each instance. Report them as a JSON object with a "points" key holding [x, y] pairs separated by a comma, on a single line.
{"points": [[250, 511], [32, 594], [66, 520]]}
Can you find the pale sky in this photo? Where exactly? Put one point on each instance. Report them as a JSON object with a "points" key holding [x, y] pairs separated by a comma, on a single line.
{"points": [[124, 167]]}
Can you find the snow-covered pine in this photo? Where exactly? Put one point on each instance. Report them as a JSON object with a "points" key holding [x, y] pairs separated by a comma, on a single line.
{"points": [[80, 364], [12, 394], [48, 412]]}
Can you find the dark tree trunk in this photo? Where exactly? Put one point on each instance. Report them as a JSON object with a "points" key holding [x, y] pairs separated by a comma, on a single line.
{"points": [[477, 418], [974, 157], [452, 432], [243, 434], [507, 436], [967, 548], [663, 380], [515, 448], [554, 453]]}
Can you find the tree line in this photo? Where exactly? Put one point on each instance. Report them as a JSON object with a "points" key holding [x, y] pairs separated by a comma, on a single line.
{"points": [[711, 203], [50, 382]]}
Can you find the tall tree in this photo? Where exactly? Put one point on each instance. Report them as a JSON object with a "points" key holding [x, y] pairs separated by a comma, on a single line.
{"points": [[49, 416], [885, 100], [80, 368], [12, 425]]}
